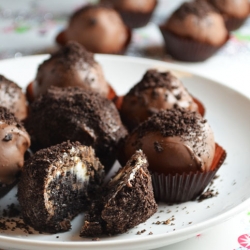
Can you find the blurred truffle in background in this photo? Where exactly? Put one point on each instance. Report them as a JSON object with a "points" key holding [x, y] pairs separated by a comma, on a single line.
{"points": [[98, 28]]}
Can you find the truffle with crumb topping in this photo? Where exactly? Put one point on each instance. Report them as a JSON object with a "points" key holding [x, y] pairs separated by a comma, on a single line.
{"points": [[174, 141], [74, 114], [57, 183], [127, 200], [156, 91], [70, 66]]}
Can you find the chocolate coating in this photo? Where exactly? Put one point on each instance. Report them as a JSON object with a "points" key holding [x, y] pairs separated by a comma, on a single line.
{"points": [[98, 29], [233, 8], [156, 91], [58, 183], [198, 21], [74, 114], [12, 98], [71, 66], [14, 141], [174, 141]]}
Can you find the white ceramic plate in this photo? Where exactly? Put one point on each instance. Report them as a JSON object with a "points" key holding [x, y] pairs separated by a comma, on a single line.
{"points": [[226, 111]]}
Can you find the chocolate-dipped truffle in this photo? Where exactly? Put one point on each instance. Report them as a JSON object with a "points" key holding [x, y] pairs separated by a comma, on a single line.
{"points": [[74, 114], [156, 91], [135, 14], [71, 66], [99, 29], [234, 12], [194, 32], [12, 97], [127, 201], [14, 142], [58, 183], [182, 154], [174, 141]]}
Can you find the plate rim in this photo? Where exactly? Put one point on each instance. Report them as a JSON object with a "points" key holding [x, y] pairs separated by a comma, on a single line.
{"points": [[142, 241]]}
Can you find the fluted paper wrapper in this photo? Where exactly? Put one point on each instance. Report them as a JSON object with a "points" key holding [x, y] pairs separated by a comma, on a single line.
{"points": [[187, 186], [185, 49], [135, 19], [233, 23]]}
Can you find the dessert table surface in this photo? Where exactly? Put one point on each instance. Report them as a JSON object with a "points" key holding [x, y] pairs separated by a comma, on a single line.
{"points": [[30, 26]]}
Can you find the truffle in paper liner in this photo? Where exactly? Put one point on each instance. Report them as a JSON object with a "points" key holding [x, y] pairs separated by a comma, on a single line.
{"points": [[185, 49], [187, 186]]}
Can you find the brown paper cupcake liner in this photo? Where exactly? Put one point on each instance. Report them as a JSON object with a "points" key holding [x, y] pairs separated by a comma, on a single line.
{"points": [[188, 186], [233, 23], [62, 40], [185, 49]]}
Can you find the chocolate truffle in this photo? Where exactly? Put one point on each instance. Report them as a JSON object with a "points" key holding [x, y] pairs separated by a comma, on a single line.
{"points": [[58, 183], [12, 97], [99, 29], [194, 32], [71, 66], [156, 91], [14, 142], [198, 21], [135, 14], [127, 201], [174, 141], [74, 114]]}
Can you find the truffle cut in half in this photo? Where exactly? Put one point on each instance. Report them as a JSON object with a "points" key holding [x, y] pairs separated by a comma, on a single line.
{"points": [[58, 183], [127, 200]]}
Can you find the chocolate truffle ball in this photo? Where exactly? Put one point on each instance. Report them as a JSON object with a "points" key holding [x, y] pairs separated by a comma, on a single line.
{"points": [[58, 183], [12, 97], [198, 21], [127, 200], [174, 141], [98, 29], [156, 91], [14, 142], [74, 114], [71, 66]]}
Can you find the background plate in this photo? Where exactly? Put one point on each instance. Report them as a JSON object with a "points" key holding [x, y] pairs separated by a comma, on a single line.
{"points": [[226, 112]]}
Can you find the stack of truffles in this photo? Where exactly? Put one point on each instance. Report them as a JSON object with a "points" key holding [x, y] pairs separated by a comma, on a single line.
{"points": [[77, 127]]}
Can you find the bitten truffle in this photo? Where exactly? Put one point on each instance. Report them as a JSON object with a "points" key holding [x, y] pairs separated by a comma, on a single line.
{"points": [[74, 114], [71, 66], [174, 141], [127, 200], [156, 91], [14, 141], [58, 183], [12, 98], [99, 29]]}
